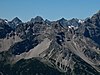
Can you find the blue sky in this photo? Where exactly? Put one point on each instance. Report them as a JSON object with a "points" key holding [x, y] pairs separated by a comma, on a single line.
{"points": [[48, 9]]}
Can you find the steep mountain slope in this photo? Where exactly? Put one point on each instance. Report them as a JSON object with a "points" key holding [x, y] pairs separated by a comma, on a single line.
{"points": [[62, 47], [28, 67]]}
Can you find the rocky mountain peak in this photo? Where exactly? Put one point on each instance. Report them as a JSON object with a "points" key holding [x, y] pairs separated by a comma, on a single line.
{"points": [[63, 21], [96, 18], [48, 22], [98, 12], [1, 20], [73, 22], [16, 20], [37, 19]]}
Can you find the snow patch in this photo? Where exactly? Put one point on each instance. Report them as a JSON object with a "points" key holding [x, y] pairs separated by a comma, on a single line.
{"points": [[80, 21], [6, 21], [71, 26], [75, 27]]}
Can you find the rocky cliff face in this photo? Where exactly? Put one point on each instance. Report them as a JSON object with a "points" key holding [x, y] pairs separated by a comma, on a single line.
{"points": [[63, 47]]}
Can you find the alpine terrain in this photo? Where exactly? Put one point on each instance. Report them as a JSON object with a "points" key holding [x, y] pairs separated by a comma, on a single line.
{"points": [[43, 47]]}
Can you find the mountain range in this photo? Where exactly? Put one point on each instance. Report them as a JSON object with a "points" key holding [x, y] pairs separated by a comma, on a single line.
{"points": [[43, 47]]}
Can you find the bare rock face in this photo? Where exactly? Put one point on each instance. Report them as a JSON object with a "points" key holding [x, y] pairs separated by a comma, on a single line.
{"points": [[70, 47], [37, 19], [14, 23]]}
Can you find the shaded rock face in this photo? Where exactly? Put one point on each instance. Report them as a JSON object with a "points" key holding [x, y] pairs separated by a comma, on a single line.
{"points": [[73, 22], [15, 22], [47, 22], [91, 27], [63, 22], [37, 19], [70, 47], [23, 46], [4, 29]]}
